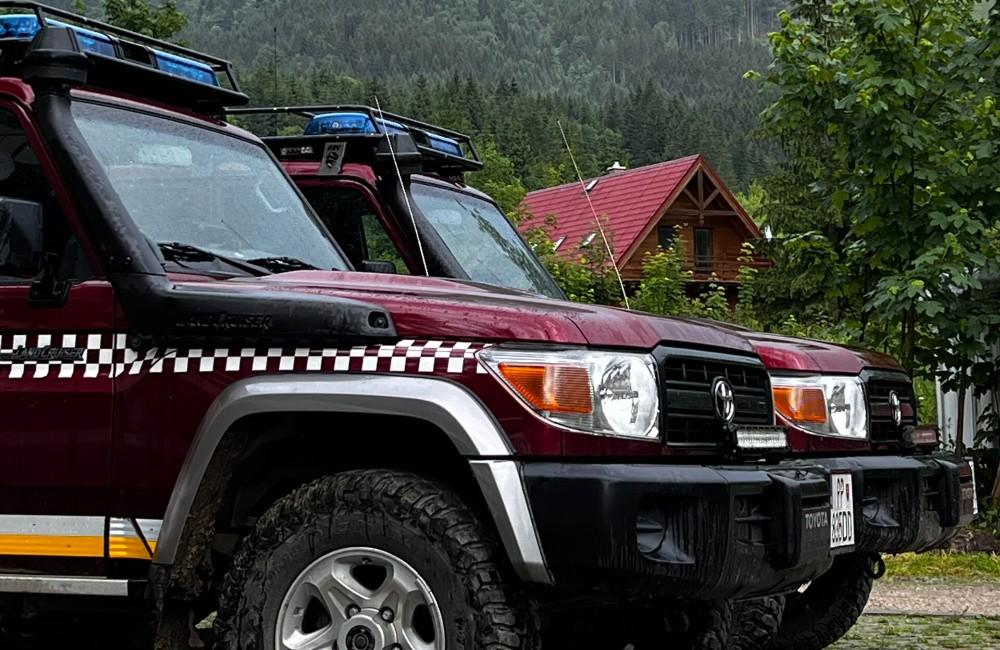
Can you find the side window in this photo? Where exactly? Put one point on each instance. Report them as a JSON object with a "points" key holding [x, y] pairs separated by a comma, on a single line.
{"points": [[22, 180], [348, 216]]}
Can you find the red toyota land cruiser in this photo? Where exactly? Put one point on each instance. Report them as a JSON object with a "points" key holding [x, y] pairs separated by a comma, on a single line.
{"points": [[852, 411], [207, 410]]}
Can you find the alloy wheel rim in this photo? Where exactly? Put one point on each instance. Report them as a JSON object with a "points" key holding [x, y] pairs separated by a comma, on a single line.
{"points": [[359, 598]]}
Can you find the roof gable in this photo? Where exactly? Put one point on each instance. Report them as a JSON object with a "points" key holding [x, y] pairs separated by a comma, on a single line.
{"points": [[628, 203]]}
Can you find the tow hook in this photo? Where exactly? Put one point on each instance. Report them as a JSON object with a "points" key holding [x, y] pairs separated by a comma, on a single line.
{"points": [[875, 567]]}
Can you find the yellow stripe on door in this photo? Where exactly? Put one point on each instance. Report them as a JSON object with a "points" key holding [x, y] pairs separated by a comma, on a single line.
{"points": [[129, 548], [53, 545], [75, 536]]}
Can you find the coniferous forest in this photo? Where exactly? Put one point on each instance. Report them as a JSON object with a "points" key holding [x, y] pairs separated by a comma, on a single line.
{"points": [[637, 81]]}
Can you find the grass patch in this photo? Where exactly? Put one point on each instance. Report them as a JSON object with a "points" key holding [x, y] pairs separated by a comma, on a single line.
{"points": [[944, 564]]}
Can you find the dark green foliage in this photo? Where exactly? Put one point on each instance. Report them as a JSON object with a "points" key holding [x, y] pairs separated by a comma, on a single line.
{"points": [[583, 49], [162, 21], [159, 20], [638, 82]]}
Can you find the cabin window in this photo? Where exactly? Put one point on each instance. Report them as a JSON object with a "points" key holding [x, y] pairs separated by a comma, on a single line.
{"points": [[704, 253], [588, 240], [667, 235]]}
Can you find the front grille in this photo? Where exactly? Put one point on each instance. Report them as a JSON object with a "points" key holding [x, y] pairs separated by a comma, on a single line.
{"points": [[687, 377], [879, 386]]}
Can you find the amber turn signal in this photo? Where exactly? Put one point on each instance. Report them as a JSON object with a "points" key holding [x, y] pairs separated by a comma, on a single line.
{"points": [[553, 388], [800, 404]]}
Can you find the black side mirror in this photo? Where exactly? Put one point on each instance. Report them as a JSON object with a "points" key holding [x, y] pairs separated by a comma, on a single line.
{"points": [[378, 266], [22, 240]]}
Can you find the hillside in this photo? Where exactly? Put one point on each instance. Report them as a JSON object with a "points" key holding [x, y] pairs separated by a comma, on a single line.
{"points": [[663, 78], [597, 54], [564, 46]]}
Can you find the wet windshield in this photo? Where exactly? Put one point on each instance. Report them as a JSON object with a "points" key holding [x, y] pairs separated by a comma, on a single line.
{"points": [[483, 241], [202, 196]]}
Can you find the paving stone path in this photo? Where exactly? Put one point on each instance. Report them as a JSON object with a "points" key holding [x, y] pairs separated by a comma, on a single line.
{"points": [[900, 632], [908, 614]]}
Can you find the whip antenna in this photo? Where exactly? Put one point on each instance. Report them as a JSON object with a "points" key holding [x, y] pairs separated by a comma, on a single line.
{"points": [[600, 228], [402, 188]]}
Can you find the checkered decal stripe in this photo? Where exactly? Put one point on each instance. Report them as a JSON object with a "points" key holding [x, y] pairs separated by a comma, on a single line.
{"points": [[105, 355], [96, 355], [431, 357]]}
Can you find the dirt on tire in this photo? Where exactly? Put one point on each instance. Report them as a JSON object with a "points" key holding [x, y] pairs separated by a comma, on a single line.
{"points": [[757, 623], [418, 520]]}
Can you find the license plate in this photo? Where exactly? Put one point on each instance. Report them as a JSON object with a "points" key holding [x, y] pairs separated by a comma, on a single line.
{"points": [[841, 511]]}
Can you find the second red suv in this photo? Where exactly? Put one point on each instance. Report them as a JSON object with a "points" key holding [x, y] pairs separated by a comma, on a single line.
{"points": [[852, 411]]}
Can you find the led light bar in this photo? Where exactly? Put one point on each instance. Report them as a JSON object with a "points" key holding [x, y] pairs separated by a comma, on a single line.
{"points": [[187, 68], [25, 26], [355, 123], [761, 439]]}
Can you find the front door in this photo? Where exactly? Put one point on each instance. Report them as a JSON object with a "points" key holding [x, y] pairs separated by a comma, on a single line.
{"points": [[56, 367]]}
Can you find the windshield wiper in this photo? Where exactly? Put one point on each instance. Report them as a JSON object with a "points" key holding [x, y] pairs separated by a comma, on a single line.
{"points": [[282, 263], [181, 252]]}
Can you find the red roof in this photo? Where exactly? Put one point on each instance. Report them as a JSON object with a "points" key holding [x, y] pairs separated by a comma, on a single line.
{"points": [[626, 202]]}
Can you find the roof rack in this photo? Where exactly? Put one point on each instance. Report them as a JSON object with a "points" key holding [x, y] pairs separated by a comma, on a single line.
{"points": [[123, 60], [362, 128]]}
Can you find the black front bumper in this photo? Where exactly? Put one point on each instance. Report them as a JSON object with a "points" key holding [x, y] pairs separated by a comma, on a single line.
{"points": [[684, 531], [907, 503]]}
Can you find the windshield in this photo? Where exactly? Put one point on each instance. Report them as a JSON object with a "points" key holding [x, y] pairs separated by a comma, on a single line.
{"points": [[483, 241], [193, 189]]}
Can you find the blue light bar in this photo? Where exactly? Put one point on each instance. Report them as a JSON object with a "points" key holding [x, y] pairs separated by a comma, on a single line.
{"points": [[91, 41], [340, 123], [354, 123], [393, 127], [444, 145], [350, 123], [18, 26], [187, 68], [26, 26]]}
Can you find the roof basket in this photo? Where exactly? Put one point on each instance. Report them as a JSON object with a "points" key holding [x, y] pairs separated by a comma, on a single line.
{"points": [[123, 60], [362, 128]]}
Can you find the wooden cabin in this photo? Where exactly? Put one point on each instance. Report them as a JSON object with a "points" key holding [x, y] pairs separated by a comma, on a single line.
{"points": [[642, 209]]}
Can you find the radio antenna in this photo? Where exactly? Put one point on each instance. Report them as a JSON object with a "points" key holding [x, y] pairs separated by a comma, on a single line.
{"points": [[402, 188], [600, 228]]}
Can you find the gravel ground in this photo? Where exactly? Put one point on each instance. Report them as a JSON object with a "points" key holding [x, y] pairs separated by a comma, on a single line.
{"points": [[913, 596]]}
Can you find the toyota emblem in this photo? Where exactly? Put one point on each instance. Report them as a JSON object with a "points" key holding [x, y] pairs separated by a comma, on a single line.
{"points": [[896, 408], [724, 400]]}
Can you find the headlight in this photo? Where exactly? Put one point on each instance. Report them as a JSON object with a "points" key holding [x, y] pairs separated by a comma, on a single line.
{"points": [[828, 405], [604, 393]]}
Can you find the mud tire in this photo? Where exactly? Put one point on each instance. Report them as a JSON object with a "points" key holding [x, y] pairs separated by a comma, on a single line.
{"points": [[829, 608], [757, 623], [420, 521], [701, 625]]}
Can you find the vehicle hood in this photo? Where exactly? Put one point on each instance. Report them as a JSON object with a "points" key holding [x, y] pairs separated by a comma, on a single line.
{"points": [[438, 308], [805, 355]]}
